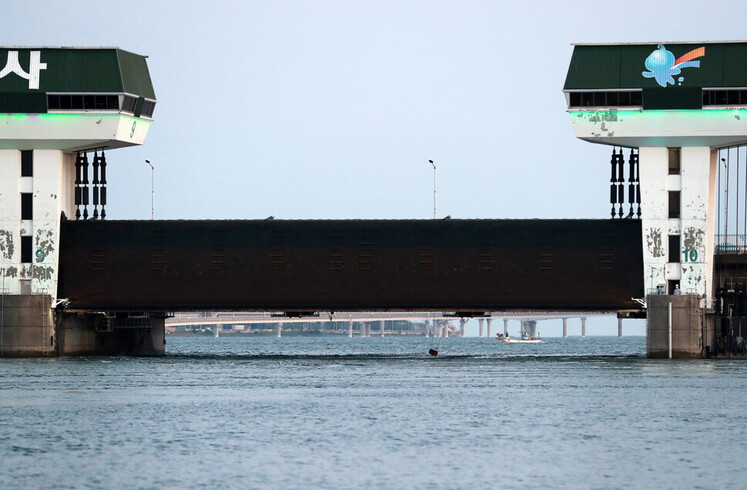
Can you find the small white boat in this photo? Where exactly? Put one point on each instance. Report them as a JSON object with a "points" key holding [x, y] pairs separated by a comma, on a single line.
{"points": [[519, 340]]}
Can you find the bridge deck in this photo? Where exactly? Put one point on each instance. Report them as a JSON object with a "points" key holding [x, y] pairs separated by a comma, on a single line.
{"points": [[352, 265]]}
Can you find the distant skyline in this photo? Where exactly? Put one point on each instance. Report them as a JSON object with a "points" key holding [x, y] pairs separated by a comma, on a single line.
{"points": [[332, 109]]}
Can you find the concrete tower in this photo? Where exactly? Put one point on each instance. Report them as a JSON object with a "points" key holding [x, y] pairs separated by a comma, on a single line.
{"points": [[675, 105], [61, 110]]}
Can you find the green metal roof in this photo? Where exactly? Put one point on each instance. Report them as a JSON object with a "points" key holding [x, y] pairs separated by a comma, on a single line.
{"points": [[71, 70], [621, 66]]}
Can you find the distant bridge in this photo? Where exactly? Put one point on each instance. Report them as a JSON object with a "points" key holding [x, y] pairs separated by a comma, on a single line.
{"points": [[527, 320]]}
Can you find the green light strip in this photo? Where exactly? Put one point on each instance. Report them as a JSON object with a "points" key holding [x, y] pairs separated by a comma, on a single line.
{"points": [[663, 114], [68, 117]]}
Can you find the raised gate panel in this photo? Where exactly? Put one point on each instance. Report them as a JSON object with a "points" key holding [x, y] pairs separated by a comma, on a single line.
{"points": [[338, 265]]}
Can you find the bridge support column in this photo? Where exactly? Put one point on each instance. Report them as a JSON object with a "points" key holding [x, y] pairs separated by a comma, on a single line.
{"points": [[489, 321], [382, 324], [427, 328], [446, 329], [279, 329], [529, 327], [583, 326], [565, 327], [462, 323], [481, 321], [350, 328], [620, 327], [505, 326]]}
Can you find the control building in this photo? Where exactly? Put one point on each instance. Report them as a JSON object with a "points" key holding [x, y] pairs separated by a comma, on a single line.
{"points": [[672, 107], [61, 111]]}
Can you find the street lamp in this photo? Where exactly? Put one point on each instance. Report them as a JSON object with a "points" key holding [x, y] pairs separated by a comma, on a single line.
{"points": [[434, 188], [152, 190]]}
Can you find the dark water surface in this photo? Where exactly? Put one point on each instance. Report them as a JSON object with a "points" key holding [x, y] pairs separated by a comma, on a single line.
{"points": [[372, 412]]}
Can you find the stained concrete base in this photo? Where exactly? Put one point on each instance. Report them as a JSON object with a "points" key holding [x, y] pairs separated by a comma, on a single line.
{"points": [[687, 326], [26, 326], [29, 327]]}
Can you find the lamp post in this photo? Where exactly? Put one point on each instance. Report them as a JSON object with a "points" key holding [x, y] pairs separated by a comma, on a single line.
{"points": [[434, 188], [152, 190]]}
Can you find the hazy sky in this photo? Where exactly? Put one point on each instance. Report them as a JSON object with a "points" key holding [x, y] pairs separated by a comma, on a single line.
{"points": [[332, 109]]}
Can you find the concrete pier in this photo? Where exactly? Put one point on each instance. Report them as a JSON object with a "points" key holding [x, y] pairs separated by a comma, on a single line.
{"points": [[489, 320], [565, 327], [481, 321], [674, 326], [583, 326], [619, 327], [26, 326], [505, 326], [382, 324], [462, 323], [279, 329], [350, 328], [29, 327]]}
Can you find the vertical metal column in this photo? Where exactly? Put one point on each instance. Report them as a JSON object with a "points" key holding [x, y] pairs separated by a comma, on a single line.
{"points": [[670, 328], [84, 186]]}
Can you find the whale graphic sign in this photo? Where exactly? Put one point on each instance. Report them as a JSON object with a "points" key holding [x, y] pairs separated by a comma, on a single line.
{"points": [[663, 67], [669, 67]]}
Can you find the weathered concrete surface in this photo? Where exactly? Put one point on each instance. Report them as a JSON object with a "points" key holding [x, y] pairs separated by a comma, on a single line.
{"points": [[26, 326], [687, 326], [29, 327]]}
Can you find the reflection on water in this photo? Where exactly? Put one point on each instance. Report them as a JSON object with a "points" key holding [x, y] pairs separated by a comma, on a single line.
{"points": [[341, 413]]}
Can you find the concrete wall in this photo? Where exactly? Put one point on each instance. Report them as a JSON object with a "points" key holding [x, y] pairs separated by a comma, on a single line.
{"points": [[11, 185], [52, 188], [26, 326], [695, 226], [687, 326]]}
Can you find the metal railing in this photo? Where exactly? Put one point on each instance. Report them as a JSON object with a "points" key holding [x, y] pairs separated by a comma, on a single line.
{"points": [[731, 244]]}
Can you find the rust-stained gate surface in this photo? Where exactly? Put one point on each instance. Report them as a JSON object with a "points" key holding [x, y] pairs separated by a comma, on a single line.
{"points": [[349, 265]]}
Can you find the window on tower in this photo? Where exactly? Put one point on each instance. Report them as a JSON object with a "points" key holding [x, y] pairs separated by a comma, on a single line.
{"points": [[26, 242], [27, 205], [27, 163]]}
